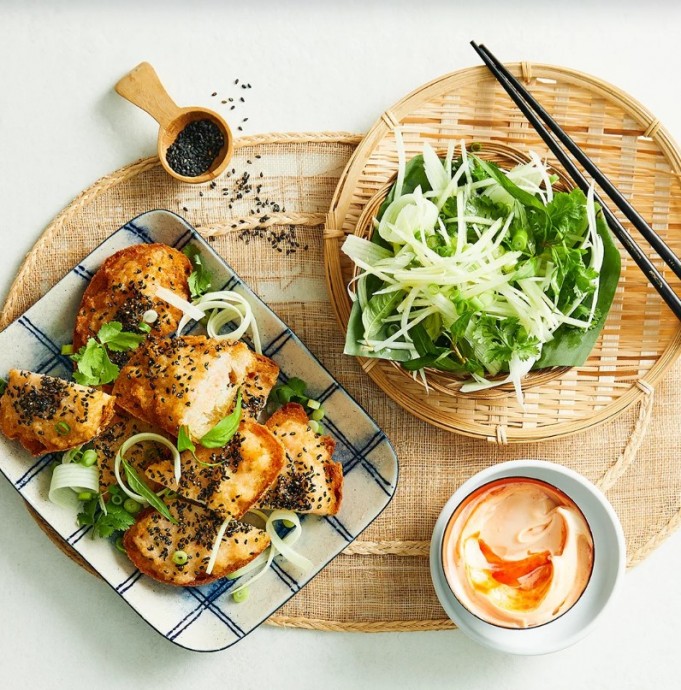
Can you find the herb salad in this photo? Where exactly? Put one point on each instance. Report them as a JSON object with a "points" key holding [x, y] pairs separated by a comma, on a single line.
{"points": [[481, 272]]}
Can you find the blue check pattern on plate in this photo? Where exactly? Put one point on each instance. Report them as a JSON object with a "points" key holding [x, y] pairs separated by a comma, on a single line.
{"points": [[204, 618]]}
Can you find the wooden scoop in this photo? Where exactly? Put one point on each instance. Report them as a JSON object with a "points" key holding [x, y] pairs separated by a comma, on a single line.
{"points": [[143, 88]]}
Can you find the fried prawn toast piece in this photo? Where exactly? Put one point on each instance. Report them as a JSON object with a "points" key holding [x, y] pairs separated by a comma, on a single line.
{"points": [[140, 456], [151, 542], [227, 480], [124, 288], [192, 381], [47, 414], [311, 482]]}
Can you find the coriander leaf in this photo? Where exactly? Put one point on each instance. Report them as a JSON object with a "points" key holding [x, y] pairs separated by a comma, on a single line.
{"points": [[567, 214], [117, 519], [116, 339], [138, 486], [184, 442], [200, 279], [87, 515], [224, 430], [94, 366], [3, 386]]}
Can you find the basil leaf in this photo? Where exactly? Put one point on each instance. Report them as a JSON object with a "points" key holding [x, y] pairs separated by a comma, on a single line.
{"points": [[184, 442], [511, 187], [378, 307], [570, 346], [225, 429], [138, 486]]}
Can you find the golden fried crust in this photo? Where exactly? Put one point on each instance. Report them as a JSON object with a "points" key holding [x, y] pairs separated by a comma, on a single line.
{"points": [[227, 480], [140, 456], [151, 542], [261, 377], [311, 482], [125, 287], [192, 381], [47, 414]]}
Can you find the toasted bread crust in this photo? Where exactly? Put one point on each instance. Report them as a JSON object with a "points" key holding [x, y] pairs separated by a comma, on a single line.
{"points": [[229, 480], [47, 414], [140, 456], [311, 482], [125, 287], [192, 381], [151, 542]]}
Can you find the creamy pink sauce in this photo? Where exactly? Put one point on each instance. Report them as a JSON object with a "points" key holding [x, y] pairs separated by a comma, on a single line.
{"points": [[517, 553]]}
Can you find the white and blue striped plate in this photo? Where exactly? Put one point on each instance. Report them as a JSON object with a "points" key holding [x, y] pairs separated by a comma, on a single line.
{"points": [[204, 618]]}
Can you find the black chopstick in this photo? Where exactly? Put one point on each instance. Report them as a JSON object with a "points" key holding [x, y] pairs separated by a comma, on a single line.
{"points": [[655, 241], [527, 104]]}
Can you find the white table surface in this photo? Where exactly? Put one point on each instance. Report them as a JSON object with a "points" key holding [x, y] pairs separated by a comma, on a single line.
{"points": [[313, 66]]}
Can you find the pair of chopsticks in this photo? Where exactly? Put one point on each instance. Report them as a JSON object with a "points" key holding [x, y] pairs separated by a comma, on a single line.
{"points": [[552, 134]]}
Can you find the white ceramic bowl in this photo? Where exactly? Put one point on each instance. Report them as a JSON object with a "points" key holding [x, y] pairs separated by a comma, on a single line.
{"points": [[608, 567]]}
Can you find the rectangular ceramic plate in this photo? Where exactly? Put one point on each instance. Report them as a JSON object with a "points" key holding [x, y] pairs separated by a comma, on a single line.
{"points": [[204, 618]]}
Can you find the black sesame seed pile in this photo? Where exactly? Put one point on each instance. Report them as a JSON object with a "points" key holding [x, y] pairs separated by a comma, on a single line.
{"points": [[43, 402], [195, 148]]}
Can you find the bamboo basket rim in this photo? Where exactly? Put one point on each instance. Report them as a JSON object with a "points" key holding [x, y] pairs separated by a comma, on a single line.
{"points": [[342, 200]]}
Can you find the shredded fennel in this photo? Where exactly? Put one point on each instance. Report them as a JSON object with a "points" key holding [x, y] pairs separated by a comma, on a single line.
{"points": [[476, 274]]}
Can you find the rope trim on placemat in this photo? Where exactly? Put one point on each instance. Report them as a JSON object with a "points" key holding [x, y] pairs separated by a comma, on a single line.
{"points": [[388, 548], [628, 455], [360, 626]]}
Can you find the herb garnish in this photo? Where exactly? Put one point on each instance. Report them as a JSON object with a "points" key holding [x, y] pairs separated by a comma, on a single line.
{"points": [[200, 279], [95, 368], [224, 430], [138, 486], [116, 518], [294, 390], [184, 442]]}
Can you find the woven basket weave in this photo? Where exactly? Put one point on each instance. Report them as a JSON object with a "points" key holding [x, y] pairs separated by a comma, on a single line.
{"points": [[381, 583], [641, 337]]}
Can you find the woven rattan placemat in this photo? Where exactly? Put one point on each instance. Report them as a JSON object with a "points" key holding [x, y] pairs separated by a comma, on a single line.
{"points": [[381, 582]]}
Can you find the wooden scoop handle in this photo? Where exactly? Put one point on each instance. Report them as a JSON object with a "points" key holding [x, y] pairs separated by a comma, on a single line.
{"points": [[142, 87]]}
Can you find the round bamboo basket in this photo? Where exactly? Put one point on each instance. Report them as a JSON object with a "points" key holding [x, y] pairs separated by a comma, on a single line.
{"points": [[641, 337], [446, 383]]}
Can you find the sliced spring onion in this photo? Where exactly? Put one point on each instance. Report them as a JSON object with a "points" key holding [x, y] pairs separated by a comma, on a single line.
{"points": [[62, 428], [150, 316], [279, 546], [139, 438], [71, 479], [176, 301], [226, 306], [284, 546]]}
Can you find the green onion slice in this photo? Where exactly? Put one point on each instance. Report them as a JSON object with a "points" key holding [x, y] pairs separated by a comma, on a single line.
{"points": [[226, 306], [279, 546], [71, 479], [62, 428]]}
